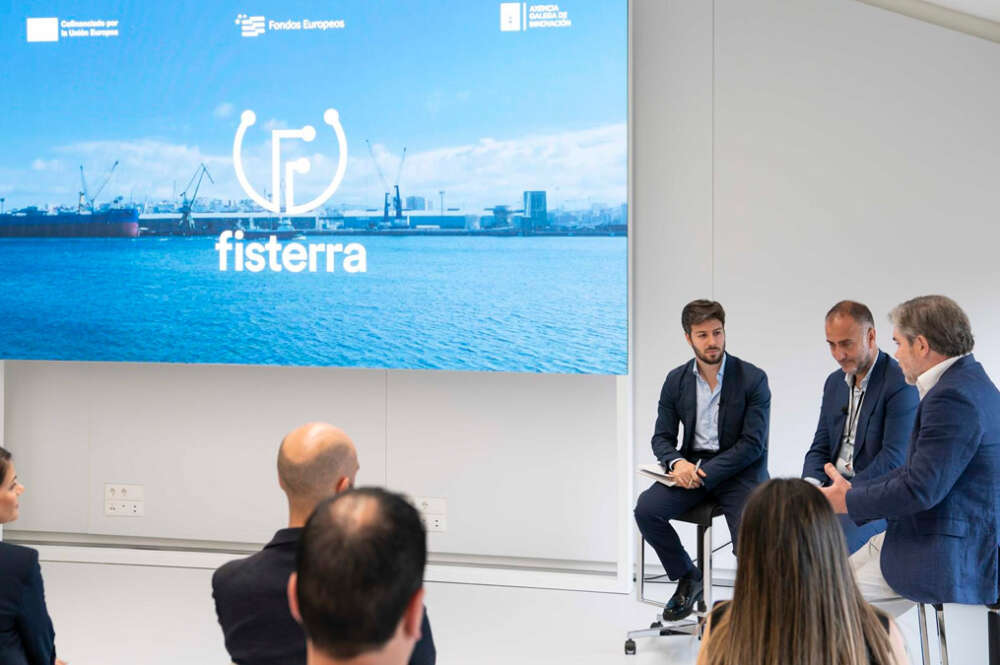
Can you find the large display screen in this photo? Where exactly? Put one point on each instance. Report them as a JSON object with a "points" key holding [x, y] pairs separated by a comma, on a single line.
{"points": [[390, 184]]}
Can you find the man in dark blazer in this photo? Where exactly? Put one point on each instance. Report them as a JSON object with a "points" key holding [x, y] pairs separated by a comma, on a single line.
{"points": [[251, 600], [724, 405], [867, 412], [940, 545]]}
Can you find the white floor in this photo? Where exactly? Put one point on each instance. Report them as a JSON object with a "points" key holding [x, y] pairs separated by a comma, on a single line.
{"points": [[127, 615]]}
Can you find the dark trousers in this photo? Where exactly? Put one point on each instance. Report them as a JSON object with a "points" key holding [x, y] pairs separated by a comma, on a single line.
{"points": [[660, 504]]}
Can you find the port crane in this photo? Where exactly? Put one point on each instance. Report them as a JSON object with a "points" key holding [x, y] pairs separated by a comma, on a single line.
{"points": [[397, 203], [86, 201], [186, 225]]}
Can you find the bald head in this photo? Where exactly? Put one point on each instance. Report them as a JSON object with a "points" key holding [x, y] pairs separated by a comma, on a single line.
{"points": [[313, 462]]}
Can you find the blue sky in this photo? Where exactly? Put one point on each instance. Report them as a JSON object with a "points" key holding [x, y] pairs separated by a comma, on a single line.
{"points": [[438, 77]]}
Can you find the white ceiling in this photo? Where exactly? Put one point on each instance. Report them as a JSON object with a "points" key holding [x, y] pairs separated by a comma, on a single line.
{"points": [[988, 9]]}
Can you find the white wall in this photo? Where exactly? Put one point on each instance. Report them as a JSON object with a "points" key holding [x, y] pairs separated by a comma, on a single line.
{"points": [[513, 454], [838, 151], [856, 156]]}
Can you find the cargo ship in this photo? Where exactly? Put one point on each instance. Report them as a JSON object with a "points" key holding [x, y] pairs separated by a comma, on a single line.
{"points": [[35, 223]]}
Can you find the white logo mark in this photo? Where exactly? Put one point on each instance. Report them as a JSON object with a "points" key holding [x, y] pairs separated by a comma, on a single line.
{"points": [[302, 165], [250, 26], [510, 16], [43, 29]]}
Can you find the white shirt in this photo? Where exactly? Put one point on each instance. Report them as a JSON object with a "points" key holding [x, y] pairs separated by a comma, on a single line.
{"points": [[856, 391], [929, 379], [706, 428], [845, 455]]}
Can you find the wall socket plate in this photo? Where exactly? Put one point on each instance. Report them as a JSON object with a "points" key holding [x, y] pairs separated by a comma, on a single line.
{"points": [[435, 522], [433, 512], [124, 500], [124, 508], [431, 505], [124, 492]]}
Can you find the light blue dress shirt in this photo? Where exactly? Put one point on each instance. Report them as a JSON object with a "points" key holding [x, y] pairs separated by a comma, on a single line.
{"points": [[706, 428]]}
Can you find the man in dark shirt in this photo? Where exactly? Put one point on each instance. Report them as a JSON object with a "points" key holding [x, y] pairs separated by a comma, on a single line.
{"points": [[315, 461]]}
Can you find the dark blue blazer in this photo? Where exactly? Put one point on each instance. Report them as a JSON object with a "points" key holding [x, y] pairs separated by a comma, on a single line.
{"points": [[251, 601], [884, 427], [744, 413], [26, 635], [942, 504]]}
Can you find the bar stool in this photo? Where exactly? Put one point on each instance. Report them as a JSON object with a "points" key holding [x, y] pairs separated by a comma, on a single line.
{"points": [[701, 516], [993, 629], [925, 654]]}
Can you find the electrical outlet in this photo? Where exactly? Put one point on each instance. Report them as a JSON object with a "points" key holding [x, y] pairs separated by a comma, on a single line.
{"points": [[431, 505], [122, 500], [436, 522], [124, 508], [123, 492]]}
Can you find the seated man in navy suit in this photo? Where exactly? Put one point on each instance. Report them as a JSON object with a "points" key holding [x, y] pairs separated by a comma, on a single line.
{"points": [[315, 461], [940, 545], [867, 412], [724, 404]]}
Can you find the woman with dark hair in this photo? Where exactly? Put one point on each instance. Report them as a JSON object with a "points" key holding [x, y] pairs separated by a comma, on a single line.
{"points": [[795, 598], [26, 635]]}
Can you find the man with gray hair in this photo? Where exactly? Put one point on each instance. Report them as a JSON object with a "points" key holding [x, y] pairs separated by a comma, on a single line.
{"points": [[943, 504], [315, 461]]}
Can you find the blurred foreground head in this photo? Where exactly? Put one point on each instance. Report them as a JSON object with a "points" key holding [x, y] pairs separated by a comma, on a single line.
{"points": [[358, 586]]}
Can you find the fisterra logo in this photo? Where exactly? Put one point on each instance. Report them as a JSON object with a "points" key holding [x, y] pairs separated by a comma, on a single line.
{"points": [[294, 256]]}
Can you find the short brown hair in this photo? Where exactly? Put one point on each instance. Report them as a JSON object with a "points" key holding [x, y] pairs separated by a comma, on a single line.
{"points": [[939, 319], [857, 311], [699, 311]]}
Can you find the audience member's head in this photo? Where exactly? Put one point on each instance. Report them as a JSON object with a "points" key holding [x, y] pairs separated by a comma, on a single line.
{"points": [[850, 332], [795, 598], [315, 461], [928, 330], [10, 490], [358, 586]]}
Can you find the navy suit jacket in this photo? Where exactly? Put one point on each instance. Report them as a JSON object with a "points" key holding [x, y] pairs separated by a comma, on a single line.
{"points": [[251, 601], [744, 413], [942, 504], [26, 635], [884, 427]]}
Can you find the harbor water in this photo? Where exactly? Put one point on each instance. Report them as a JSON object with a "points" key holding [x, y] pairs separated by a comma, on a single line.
{"points": [[522, 304]]}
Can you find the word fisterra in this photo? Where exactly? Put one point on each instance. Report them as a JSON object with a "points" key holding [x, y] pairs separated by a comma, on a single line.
{"points": [[293, 257]]}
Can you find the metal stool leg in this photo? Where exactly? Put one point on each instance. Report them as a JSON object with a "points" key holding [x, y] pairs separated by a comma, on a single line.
{"points": [[640, 575], [705, 561], [993, 630], [925, 649], [942, 642]]}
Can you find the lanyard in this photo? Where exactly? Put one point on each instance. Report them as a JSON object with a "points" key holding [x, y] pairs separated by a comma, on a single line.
{"points": [[853, 414]]}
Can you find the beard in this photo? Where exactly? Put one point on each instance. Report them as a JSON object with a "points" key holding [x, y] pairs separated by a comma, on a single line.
{"points": [[707, 359], [864, 364]]}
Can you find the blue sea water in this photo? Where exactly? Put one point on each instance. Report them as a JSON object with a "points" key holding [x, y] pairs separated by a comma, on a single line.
{"points": [[532, 304]]}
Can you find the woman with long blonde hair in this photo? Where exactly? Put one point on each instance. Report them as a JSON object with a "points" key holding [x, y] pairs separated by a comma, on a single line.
{"points": [[795, 601]]}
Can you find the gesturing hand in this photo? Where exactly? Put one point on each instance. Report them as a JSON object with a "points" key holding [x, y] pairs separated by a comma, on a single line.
{"points": [[836, 493], [686, 476]]}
